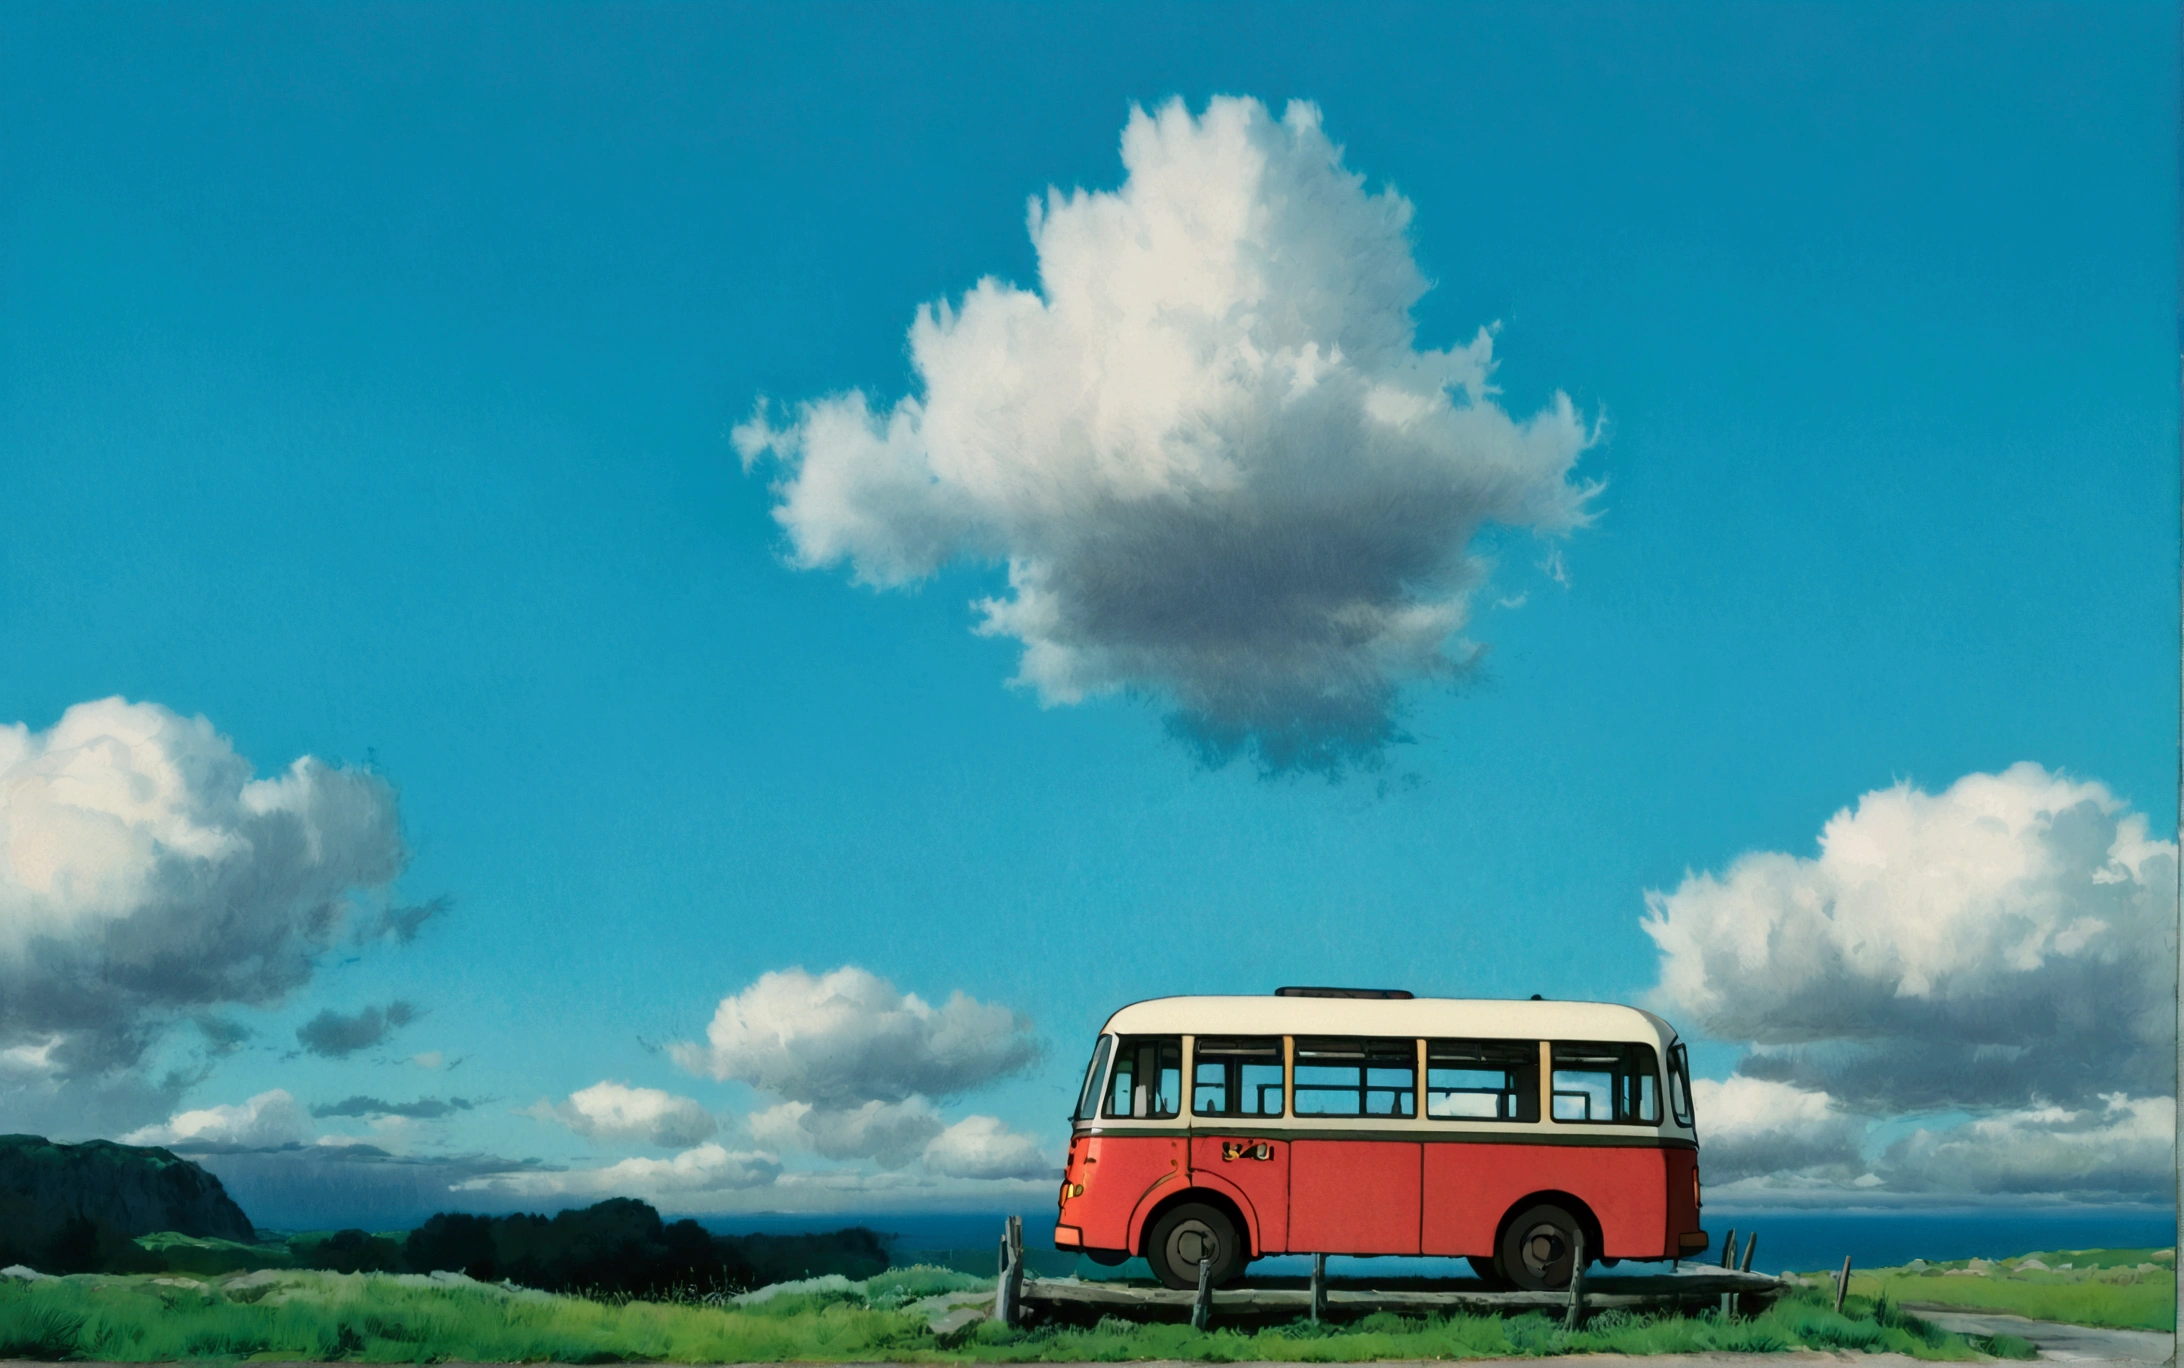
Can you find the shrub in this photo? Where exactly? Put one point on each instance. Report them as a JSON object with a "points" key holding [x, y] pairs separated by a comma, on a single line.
{"points": [[618, 1247], [354, 1251]]}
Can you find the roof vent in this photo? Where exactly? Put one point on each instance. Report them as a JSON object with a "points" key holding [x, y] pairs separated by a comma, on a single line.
{"points": [[1381, 993]]}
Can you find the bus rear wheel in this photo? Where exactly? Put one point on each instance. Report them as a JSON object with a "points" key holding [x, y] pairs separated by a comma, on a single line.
{"points": [[1539, 1249], [1188, 1233]]}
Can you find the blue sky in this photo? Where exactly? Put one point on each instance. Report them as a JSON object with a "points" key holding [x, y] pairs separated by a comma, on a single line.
{"points": [[368, 387]]}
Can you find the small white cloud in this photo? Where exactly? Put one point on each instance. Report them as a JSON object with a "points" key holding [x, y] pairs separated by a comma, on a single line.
{"points": [[1994, 945], [616, 1112], [1208, 449], [845, 1038], [428, 1059], [889, 1133], [984, 1147], [268, 1120], [704, 1170]]}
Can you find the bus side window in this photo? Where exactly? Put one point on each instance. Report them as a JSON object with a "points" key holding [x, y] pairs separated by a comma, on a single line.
{"points": [[1209, 1085], [1337, 1076], [1482, 1080], [1611, 1082], [1148, 1077], [1237, 1076]]}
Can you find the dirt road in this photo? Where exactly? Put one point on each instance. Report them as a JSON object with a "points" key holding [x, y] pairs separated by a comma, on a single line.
{"points": [[2066, 1343]]}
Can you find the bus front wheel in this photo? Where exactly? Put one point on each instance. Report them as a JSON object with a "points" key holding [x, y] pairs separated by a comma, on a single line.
{"points": [[1191, 1232], [1539, 1249]]}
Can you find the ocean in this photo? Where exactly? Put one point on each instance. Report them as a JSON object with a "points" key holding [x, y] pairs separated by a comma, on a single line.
{"points": [[1802, 1241]]}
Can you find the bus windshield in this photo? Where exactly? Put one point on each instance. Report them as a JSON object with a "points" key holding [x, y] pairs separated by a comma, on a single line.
{"points": [[1679, 1083], [1088, 1100]]}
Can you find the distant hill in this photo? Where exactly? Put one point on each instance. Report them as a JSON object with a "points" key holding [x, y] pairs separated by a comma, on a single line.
{"points": [[70, 1207]]}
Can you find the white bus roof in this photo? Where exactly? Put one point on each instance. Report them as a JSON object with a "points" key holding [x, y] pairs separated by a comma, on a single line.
{"points": [[1454, 1018]]}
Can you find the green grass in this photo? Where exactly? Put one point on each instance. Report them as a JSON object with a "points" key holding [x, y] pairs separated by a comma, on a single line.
{"points": [[2102, 1288], [1804, 1322], [195, 1256], [386, 1319]]}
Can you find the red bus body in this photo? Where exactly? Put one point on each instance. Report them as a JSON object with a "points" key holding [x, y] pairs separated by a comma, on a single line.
{"points": [[1406, 1176]]}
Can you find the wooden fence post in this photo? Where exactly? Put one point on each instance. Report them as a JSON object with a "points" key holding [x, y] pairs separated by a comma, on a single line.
{"points": [[1729, 1299], [1576, 1316], [1202, 1309], [1842, 1285], [1319, 1288], [1008, 1291]]}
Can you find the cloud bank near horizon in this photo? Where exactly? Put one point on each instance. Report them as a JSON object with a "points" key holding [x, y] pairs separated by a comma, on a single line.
{"points": [[1214, 461], [2003, 949]]}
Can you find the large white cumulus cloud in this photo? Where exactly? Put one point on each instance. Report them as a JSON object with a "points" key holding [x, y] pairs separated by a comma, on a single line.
{"points": [[848, 1037], [146, 872], [2007, 942], [1207, 448]]}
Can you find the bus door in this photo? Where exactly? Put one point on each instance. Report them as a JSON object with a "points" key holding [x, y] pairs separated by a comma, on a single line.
{"points": [[1236, 1089], [1127, 1165], [1354, 1193]]}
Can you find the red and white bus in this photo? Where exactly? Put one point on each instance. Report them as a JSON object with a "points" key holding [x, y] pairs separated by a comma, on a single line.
{"points": [[1356, 1121]]}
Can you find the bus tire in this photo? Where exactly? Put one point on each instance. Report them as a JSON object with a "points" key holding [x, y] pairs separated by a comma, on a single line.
{"points": [[1108, 1258], [1539, 1247], [1187, 1233]]}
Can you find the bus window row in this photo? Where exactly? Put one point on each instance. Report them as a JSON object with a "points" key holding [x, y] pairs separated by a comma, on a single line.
{"points": [[1258, 1077]]}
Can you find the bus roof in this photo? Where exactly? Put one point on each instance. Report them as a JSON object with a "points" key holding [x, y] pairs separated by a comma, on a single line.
{"points": [[1456, 1018]]}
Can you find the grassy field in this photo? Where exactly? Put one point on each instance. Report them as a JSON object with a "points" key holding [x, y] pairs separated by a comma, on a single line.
{"points": [[385, 1318], [2125, 1289]]}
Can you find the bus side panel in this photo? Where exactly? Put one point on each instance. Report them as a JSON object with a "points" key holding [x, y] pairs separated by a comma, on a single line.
{"points": [[1354, 1196], [1627, 1188], [1470, 1187], [1119, 1173]]}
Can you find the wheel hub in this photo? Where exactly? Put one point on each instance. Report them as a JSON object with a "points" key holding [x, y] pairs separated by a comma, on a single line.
{"points": [[1193, 1241], [1543, 1248]]}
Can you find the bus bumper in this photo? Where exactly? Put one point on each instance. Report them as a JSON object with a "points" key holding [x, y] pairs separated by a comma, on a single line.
{"points": [[1692, 1242], [1068, 1237]]}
